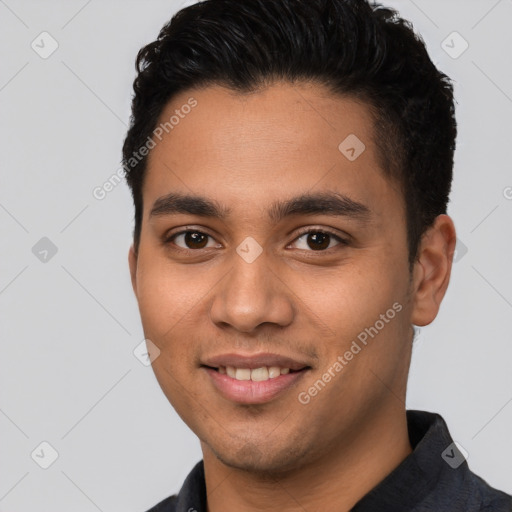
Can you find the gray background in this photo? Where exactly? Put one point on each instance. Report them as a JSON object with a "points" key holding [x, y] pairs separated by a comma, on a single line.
{"points": [[70, 323]]}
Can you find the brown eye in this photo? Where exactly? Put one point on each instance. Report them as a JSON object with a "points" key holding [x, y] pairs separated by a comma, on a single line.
{"points": [[192, 240], [195, 240], [318, 240]]}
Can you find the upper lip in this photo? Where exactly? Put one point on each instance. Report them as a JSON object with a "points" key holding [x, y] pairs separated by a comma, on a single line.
{"points": [[254, 361]]}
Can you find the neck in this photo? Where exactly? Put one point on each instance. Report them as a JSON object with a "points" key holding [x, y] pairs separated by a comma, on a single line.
{"points": [[336, 481]]}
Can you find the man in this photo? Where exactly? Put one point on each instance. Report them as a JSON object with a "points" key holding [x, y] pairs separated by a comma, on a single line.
{"points": [[290, 163]]}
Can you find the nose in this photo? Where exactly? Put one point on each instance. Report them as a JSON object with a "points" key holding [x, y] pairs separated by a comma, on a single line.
{"points": [[252, 294]]}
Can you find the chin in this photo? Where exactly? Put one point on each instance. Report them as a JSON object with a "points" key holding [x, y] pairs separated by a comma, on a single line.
{"points": [[265, 461]]}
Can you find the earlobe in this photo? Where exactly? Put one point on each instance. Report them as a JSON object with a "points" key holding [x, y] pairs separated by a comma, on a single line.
{"points": [[132, 262], [432, 270]]}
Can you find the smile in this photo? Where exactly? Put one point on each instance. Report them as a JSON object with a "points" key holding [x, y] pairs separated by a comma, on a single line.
{"points": [[256, 374], [253, 386]]}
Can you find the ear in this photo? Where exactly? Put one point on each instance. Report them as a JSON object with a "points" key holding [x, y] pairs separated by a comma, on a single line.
{"points": [[132, 262], [432, 270]]}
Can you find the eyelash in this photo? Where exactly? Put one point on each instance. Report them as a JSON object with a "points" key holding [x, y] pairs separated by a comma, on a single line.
{"points": [[168, 240]]}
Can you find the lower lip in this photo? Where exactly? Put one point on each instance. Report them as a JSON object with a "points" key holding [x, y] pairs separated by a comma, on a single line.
{"points": [[252, 392]]}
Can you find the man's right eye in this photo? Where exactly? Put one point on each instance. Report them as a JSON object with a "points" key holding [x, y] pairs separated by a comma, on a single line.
{"points": [[189, 240]]}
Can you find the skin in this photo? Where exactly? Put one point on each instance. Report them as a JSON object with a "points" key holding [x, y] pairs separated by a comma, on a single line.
{"points": [[246, 151]]}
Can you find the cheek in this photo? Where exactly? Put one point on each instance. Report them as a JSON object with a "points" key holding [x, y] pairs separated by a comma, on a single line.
{"points": [[172, 303], [352, 297], [173, 376], [164, 296]]}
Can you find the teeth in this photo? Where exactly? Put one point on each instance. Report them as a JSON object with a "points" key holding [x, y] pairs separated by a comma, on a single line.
{"points": [[274, 371], [256, 374], [243, 374], [260, 374]]}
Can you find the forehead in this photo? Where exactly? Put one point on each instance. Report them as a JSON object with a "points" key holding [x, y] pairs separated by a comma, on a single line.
{"points": [[251, 148]]}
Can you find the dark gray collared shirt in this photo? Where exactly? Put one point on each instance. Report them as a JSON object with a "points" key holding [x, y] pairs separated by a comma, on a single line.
{"points": [[435, 477]]}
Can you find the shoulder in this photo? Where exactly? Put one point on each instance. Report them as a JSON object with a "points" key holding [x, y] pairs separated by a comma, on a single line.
{"points": [[488, 498]]}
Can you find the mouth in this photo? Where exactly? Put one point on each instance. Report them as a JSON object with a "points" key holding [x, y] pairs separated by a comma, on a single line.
{"points": [[254, 379], [261, 374]]}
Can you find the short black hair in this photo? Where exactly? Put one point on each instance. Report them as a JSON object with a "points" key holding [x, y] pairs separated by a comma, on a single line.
{"points": [[355, 48]]}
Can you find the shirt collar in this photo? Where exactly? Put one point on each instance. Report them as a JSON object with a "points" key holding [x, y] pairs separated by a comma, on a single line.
{"points": [[420, 472]]}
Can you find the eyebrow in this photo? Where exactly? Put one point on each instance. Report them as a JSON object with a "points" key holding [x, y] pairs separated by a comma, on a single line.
{"points": [[323, 203]]}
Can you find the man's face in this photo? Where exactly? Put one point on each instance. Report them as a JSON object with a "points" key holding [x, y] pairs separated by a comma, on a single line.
{"points": [[255, 282]]}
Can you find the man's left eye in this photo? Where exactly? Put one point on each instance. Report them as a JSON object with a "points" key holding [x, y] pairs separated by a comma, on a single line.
{"points": [[319, 240]]}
